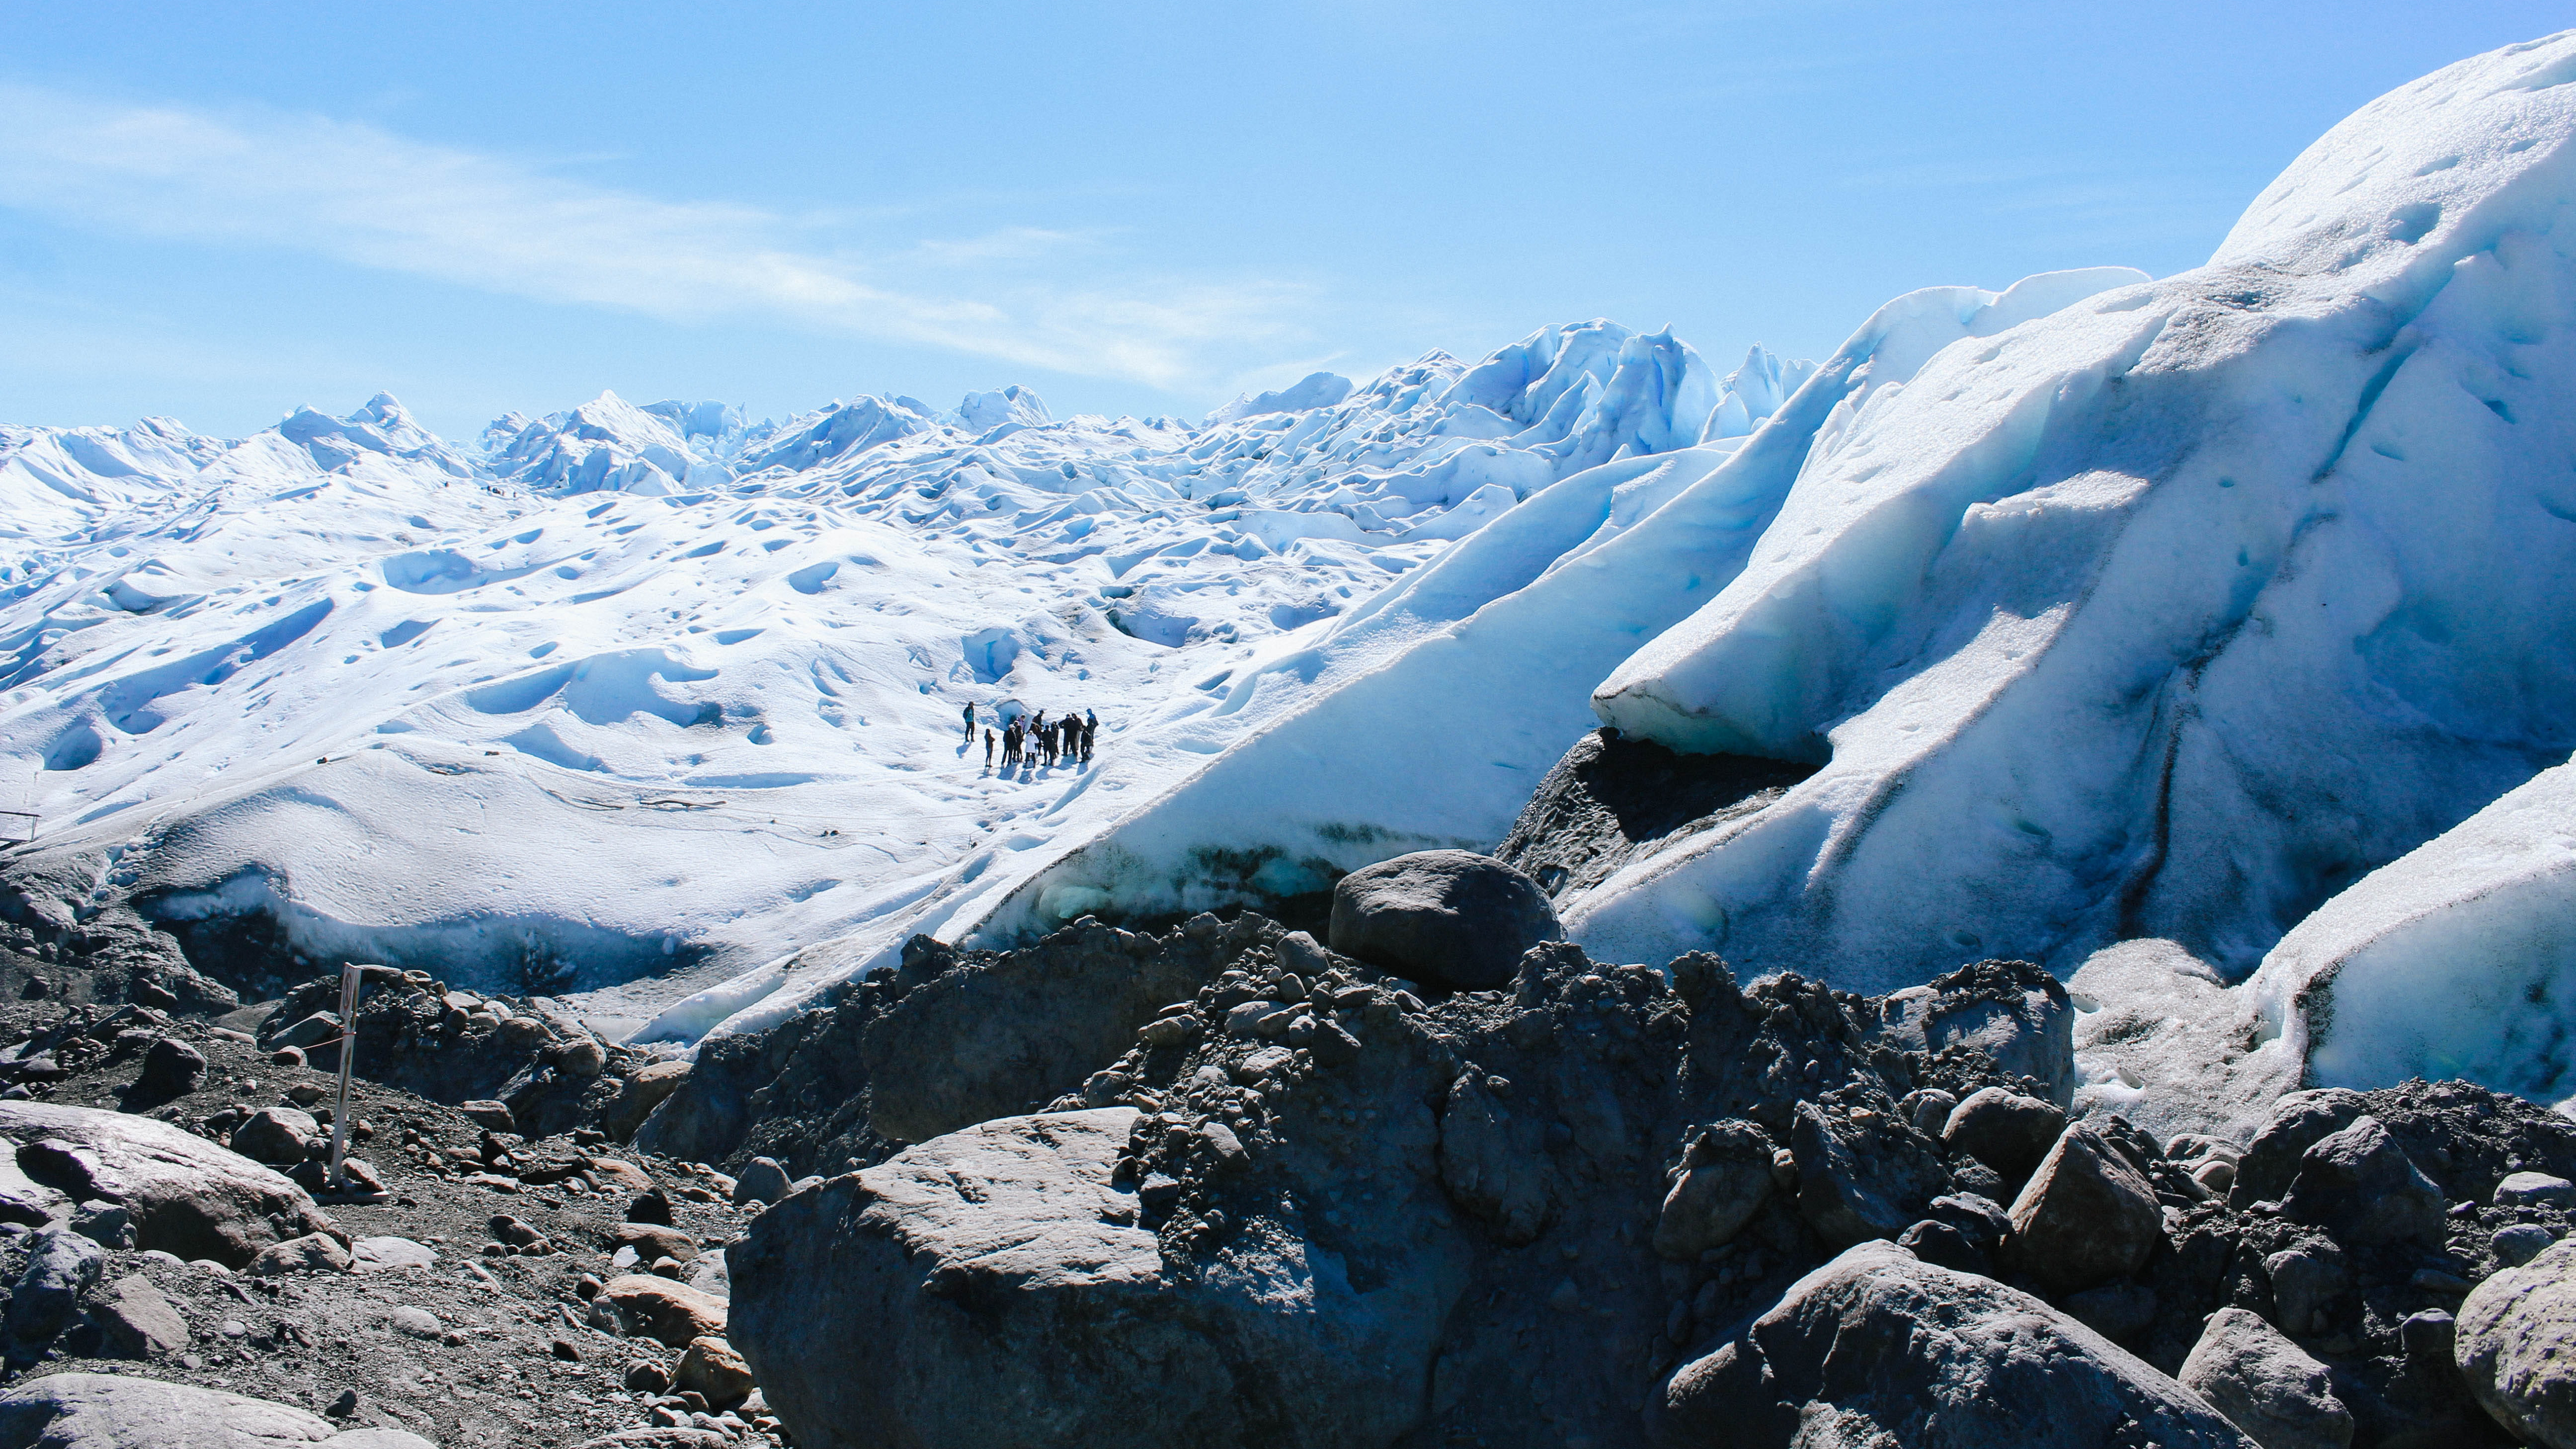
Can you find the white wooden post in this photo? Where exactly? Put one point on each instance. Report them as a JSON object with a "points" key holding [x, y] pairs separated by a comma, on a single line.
{"points": [[352, 977]]}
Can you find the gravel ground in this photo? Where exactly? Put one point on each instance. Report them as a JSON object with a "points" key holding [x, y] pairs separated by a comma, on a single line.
{"points": [[508, 1354]]}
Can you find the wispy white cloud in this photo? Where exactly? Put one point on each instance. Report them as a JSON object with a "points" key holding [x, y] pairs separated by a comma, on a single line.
{"points": [[360, 194]]}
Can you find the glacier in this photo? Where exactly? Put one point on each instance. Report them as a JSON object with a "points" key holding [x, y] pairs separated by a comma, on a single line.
{"points": [[2199, 637], [2157, 630], [630, 701]]}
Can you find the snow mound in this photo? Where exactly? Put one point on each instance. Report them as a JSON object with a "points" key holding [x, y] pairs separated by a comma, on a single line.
{"points": [[2455, 960], [2169, 613]]}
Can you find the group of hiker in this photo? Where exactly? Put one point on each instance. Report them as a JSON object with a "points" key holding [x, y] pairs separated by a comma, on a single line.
{"points": [[1068, 737]]}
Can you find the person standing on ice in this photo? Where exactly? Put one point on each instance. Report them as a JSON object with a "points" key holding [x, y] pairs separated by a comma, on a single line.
{"points": [[988, 748], [1090, 733], [970, 721]]}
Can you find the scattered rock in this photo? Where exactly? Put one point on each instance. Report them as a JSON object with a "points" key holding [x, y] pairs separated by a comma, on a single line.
{"points": [[276, 1135], [2087, 1215], [1492, 1163], [139, 1322], [651, 1206], [762, 1181], [1879, 1348], [982, 1037], [486, 1113], [312, 1253], [2535, 1189], [105, 1223], [667, 1312], [1928, 1109], [647, 1376], [2519, 1243], [652, 1241], [1447, 916], [660, 1437], [415, 1322], [711, 1367], [384, 1254], [171, 1068], [2117, 1311], [2265, 1384], [2304, 1282], [312, 1031], [710, 1276], [2431, 1337], [899, 1304]]}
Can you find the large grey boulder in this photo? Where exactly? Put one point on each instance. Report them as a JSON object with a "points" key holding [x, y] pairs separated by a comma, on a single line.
{"points": [[1450, 918], [2298, 1121], [61, 1266], [2265, 1384], [2516, 1344], [2004, 1130], [2086, 1216], [186, 1196], [1862, 1174], [762, 1181], [111, 1411], [996, 1288], [1724, 1178], [639, 1094], [1878, 1348], [2535, 1189], [977, 1040], [2361, 1187], [1494, 1164]]}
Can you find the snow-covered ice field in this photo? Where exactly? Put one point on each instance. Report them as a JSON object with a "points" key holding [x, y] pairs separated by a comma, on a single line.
{"points": [[627, 702], [2204, 638]]}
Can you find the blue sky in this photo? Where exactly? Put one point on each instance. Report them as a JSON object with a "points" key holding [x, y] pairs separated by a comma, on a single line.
{"points": [[219, 213]]}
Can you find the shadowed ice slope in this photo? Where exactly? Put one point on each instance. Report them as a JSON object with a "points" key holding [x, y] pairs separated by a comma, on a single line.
{"points": [[2176, 612]]}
